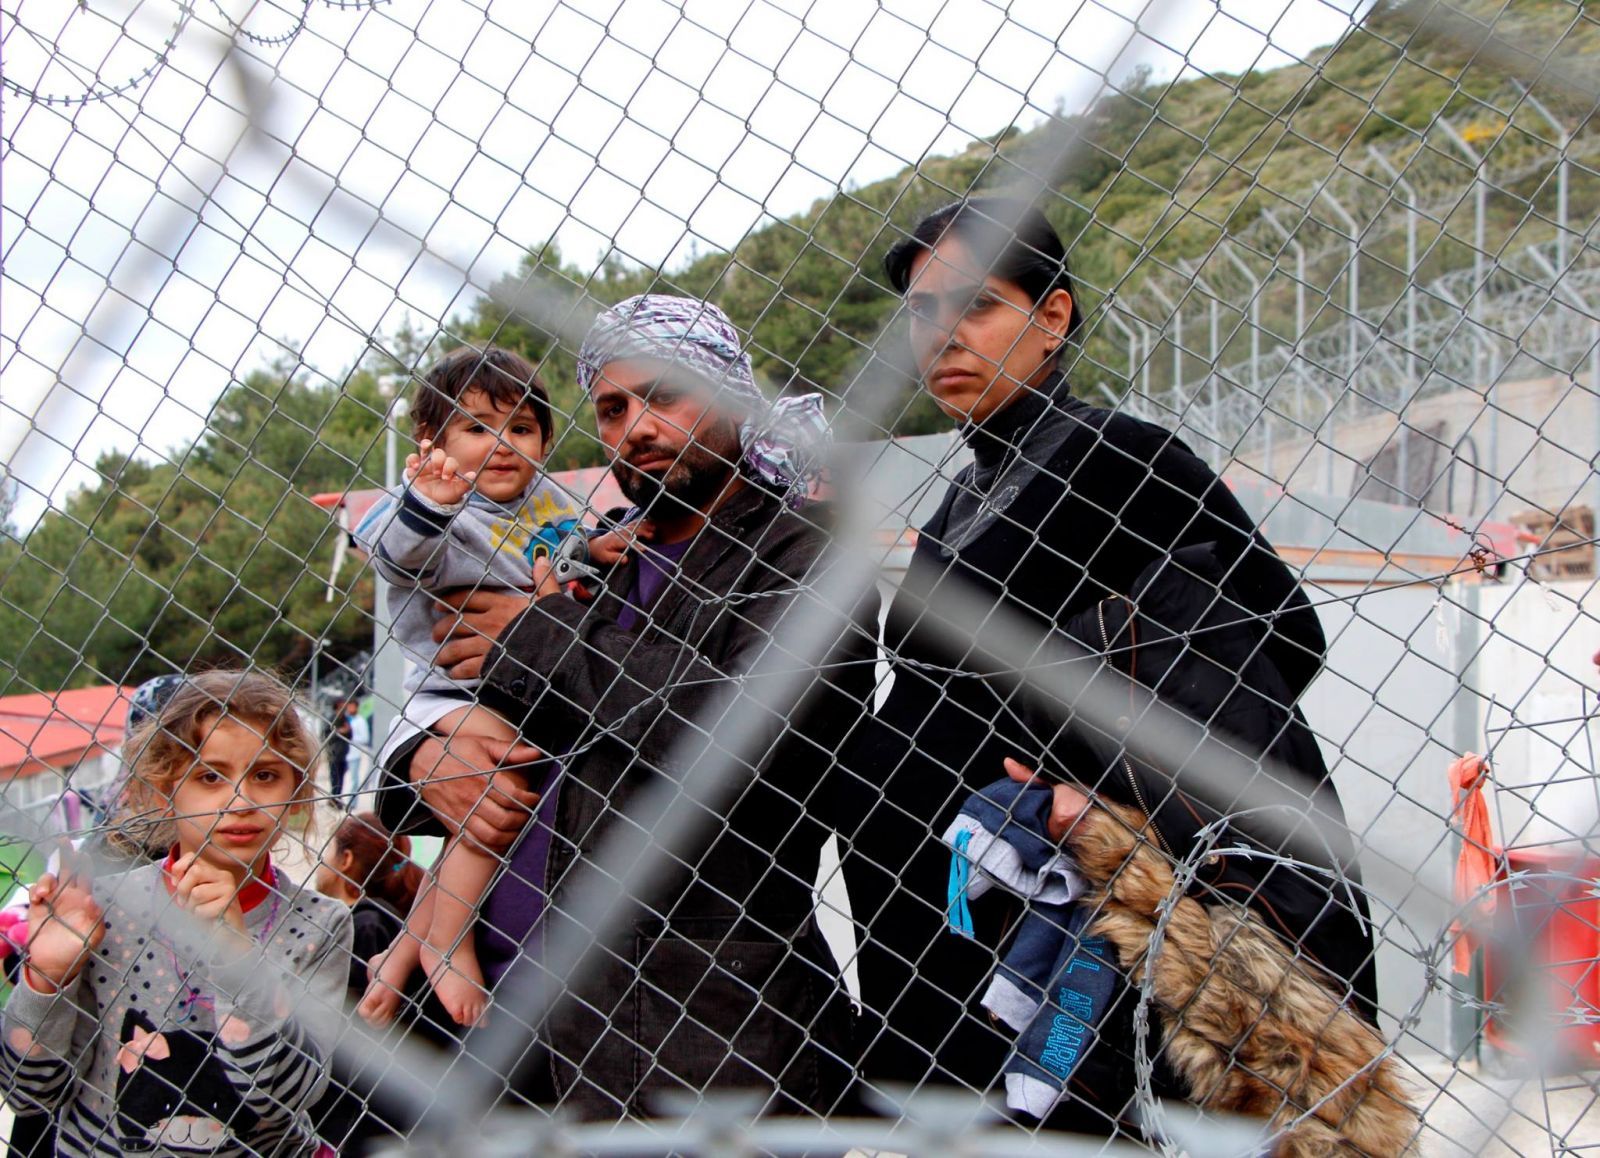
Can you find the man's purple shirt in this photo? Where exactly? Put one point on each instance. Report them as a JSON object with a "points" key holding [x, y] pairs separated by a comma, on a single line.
{"points": [[510, 916]]}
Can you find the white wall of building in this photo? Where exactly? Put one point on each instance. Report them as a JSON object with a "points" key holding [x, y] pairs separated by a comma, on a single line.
{"points": [[1412, 681]]}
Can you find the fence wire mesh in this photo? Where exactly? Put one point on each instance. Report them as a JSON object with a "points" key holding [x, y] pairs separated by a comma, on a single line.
{"points": [[630, 756]]}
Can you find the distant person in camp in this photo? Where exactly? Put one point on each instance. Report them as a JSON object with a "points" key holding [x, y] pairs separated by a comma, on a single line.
{"points": [[358, 713], [369, 869], [338, 751], [113, 847]]}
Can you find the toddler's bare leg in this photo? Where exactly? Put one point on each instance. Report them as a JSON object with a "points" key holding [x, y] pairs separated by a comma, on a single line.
{"points": [[390, 970], [449, 957], [448, 953]]}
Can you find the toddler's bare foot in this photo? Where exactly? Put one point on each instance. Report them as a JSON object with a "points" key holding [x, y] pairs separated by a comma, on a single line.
{"points": [[389, 971], [379, 1004], [458, 983]]}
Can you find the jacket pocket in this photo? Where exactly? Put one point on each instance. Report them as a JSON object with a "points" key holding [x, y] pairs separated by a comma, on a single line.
{"points": [[725, 1014]]}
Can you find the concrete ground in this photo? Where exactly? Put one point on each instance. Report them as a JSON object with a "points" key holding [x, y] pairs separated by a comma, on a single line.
{"points": [[1475, 1110]]}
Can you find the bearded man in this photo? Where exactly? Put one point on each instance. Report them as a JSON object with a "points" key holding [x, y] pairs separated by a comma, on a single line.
{"points": [[723, 979]]}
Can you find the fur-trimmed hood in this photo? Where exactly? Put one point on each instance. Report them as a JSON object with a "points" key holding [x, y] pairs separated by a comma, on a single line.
{"points": [[1248, 1027]]}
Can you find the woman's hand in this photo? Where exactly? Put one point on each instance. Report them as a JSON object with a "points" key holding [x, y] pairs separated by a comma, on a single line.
{"points": [[208, 891], [1068, 805], [457, 778], [469, 626], [65, 925]]}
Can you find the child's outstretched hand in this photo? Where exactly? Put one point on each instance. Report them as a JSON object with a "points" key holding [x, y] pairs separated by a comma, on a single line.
{"points": [[65, 925], [436, 476]]}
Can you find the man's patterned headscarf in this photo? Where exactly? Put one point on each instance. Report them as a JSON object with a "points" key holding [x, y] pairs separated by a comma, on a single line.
{"points": [[782, 442]]}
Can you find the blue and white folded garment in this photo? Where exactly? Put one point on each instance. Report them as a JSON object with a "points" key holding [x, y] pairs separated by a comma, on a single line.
{"points": [[1054, 985]]}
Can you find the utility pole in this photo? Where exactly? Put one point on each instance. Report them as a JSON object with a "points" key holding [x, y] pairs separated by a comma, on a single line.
{"points": [[388, 661]]}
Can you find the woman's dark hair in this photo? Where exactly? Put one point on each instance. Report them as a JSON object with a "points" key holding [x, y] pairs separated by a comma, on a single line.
{"points": [[1026, 250], [380, 865], [509, 379]]}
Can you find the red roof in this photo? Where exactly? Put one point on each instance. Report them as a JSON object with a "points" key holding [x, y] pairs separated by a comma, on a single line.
{"points": [[594, 486], [45, 730]]}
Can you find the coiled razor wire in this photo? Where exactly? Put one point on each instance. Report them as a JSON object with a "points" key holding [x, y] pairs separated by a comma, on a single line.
{"points": [[97, 90]]}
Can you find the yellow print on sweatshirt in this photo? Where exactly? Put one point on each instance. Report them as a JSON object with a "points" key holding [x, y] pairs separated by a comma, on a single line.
{"points": [[516, 534]]}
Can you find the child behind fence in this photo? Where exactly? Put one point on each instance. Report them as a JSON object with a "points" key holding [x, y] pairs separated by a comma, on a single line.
{"points": [[369, 869], [475, 509], [165, 1010]]}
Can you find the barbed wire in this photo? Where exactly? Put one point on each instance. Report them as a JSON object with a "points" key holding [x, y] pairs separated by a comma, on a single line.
{"points": [[97, 91]]}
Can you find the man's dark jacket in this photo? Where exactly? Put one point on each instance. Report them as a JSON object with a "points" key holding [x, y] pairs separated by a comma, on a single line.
{"points": [[724, 979], [1067, 505]]}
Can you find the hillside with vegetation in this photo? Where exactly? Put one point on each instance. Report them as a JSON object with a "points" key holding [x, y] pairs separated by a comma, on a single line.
{"points": [[217, 554], [1159, 173]]}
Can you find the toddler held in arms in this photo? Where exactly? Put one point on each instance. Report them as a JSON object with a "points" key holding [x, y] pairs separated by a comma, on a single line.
{"points": [[475, 508]]}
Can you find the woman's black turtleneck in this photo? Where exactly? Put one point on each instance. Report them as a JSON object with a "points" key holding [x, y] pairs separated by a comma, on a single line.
{"points": [[1009, 447], [1105, 494]]}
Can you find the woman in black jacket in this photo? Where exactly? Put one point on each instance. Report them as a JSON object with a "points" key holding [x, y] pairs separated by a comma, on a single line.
{"points": [[1069, 512]]}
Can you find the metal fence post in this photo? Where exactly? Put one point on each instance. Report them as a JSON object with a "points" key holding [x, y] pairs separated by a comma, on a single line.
{"points": [[1481, 370]]}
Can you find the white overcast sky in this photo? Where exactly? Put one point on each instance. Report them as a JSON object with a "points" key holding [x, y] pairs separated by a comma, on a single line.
{"points": [[406, 154]]}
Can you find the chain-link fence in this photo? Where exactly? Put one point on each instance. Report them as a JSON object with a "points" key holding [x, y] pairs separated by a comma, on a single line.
{"points": [[637, 779]]}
